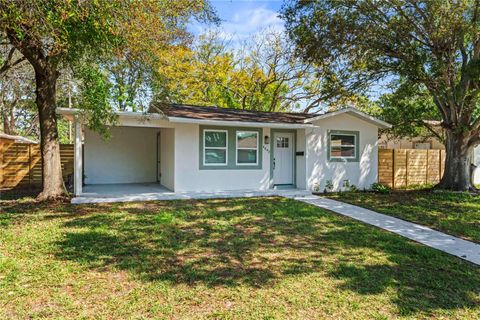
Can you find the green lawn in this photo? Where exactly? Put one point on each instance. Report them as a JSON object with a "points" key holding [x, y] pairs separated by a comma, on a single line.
{"points": [[266, 258], [454, 213]]}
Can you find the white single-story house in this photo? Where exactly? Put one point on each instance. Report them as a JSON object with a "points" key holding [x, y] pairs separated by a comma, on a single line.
{"points": [[183, 148]]}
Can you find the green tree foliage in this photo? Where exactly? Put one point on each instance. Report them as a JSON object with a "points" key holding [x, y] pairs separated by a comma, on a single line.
{"points": [[432, 44], [130, 84], [18, 112], [52, 34], [412, 112], [263, 75]]}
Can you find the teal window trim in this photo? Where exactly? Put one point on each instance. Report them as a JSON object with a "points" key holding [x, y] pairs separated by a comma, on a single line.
{"points": [[355, 134], [231, 155], [237, 148]]}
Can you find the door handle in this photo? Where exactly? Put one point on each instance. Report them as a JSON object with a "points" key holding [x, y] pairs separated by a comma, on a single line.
{"points": [[273, 163]]}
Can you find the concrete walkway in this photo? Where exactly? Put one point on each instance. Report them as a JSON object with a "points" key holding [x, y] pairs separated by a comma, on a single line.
{"points": [[458, 247]]}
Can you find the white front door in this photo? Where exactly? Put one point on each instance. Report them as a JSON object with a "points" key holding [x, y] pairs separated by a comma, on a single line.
{"points": [[283, 158]]}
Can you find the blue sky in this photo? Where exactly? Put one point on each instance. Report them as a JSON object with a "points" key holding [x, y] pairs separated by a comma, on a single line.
{"points": [[240, 19], [243, 18]]}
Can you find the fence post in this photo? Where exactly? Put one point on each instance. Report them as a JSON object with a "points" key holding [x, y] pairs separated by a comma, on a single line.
{"points": [[406, 168], [426, 171], [393, 168], [440, 164], [30, 166]]}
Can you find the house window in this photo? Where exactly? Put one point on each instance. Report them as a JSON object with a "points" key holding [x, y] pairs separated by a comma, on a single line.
{"points": [[282, 142], [247, 147], [230, 148], [215, 144], [343, 145]]}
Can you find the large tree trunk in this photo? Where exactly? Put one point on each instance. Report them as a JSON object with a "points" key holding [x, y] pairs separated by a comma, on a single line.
{"points": [[53, 185], [457, 175], [46, 75]]}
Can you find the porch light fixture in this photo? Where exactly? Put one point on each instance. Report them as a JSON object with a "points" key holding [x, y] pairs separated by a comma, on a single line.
{"points": [[266, 140]]}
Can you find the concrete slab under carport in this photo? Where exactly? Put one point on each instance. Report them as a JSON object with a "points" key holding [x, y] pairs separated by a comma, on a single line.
{"points": [[105, 193], [121, 189]]}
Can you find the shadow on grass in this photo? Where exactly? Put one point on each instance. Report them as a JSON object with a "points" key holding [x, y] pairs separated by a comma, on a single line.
{"points": [[19, 193], [258, 242], [455, 213], [422, 278], [13, 209], [185, 242]]}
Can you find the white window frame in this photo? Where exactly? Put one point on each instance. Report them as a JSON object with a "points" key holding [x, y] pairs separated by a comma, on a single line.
{"points": [[238, 148], [346, 145], [218, 148]]}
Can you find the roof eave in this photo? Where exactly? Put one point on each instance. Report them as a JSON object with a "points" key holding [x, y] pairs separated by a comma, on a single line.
{"points": [[67, 113], [379, 123], [70, 114]]}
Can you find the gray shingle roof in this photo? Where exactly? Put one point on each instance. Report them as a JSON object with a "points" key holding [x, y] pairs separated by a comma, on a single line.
{"points": [[226, 114]]}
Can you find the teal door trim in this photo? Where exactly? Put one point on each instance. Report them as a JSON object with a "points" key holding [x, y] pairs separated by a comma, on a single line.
{"points": [[272, 152]]}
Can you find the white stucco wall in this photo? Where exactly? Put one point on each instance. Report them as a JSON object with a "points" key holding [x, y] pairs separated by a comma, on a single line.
{"points": [[129, 156], [167, 158], [189, 177], [362, 173], [301, 179]]}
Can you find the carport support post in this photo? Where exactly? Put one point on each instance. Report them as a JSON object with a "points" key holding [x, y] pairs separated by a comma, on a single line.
{"points": [[78, 179]]}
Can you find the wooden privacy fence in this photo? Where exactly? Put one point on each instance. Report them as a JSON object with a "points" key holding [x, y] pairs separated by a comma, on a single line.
{"points": [[21, 164], [399, 168]]}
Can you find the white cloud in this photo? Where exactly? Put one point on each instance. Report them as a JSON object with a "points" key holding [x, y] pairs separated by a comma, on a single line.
{"points": [[253, 20], [244, 23]]}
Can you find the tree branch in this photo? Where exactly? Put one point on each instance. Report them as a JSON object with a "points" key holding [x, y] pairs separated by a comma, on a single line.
{"points": [[432, 130], [8, 64]]}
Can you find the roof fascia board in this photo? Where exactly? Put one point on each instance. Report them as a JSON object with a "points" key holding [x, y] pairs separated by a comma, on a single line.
{"points": [[240, 123]]}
